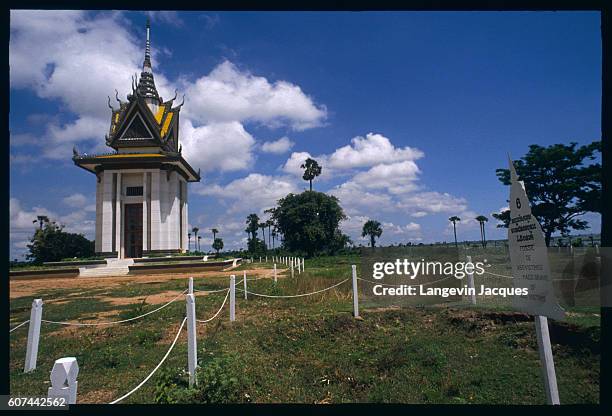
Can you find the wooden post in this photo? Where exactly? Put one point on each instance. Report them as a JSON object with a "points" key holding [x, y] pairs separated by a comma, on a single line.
{"points": [[190, 286], [355, 293], [470, 279], [274, 272], [33, 335], [192, 352], [245, 286], [546, 360], [64, 379], [232, 298]]}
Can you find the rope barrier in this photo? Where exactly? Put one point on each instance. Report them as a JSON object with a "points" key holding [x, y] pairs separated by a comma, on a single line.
{"points": [[512, 277], [217, 290], [422, 284], [218, 312], [18, 326], [156, 367], [294, 296], [114, 322]]}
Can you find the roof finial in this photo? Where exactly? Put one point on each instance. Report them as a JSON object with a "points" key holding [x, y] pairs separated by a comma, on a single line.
{"points": [[147, 59]]}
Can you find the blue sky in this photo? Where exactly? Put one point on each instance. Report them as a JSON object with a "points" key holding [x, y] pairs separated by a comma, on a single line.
{"points": [[410, 113]]}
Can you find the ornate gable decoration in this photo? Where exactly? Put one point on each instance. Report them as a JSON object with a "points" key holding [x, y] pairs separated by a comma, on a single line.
{"points": [[145, 120]]}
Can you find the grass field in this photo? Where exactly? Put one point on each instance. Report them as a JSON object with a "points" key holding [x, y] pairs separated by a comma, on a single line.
{"points": [[299, 350]]}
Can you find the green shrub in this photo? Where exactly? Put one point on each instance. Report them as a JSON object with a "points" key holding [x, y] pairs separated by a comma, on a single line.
{"points": [[215, 384]]}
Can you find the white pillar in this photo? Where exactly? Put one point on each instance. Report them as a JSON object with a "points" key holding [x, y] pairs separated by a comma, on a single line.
{"points": [[470, 279], [64, 379], [192, 351], [274, 272], [118, 217], [190, 286], [546, 360], [145, 203], [355, 293], [33, 335], [245, 286], [232, 298]]}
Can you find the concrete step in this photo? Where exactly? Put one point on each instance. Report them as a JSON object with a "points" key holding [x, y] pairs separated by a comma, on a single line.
{"points": [[113, 267]]}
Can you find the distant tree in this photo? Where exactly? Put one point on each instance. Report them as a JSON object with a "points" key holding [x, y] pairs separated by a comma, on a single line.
{"points": [[483, 237], [273, 237], [269, 224], [252, 222], [311, 170], [195, 237], [454, 220], [189, 239], [199, 245], [215, 232], [373, 229], [309, 222], [218, 245], [51, 243], [559, 184], [41, 219]]}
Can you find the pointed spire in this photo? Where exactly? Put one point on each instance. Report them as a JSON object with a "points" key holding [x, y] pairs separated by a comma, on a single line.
{"points": [[147, 59], [146, 84]]}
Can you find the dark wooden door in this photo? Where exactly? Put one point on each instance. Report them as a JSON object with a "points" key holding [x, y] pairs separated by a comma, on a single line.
{"points": [[133, 230]]}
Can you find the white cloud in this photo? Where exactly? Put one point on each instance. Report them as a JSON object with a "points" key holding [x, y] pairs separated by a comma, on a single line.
{"points": [[373, 149], [79, 200], [397, 178], [218, 146], [279, 146], [253, 193], [228, 94]]}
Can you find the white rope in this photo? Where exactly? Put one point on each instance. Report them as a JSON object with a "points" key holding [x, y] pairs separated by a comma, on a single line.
{"points": [[422, 284], [18, 326], [295, 296], [115, 322], [218, 312], [217, 290], [156, 367], [512, 277]]}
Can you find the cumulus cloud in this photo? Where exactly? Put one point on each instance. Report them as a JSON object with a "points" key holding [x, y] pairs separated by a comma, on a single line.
{"points": [[254, 192], [218, 146], [397, 178], [228, 93], [373, 149], [278, 147]]}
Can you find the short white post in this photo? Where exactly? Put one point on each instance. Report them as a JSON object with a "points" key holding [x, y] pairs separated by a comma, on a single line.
{"points": [[245, 286], [298, 265], [546, 359], [597, 249], [232, 298], [470, 279], [291, 265], [355, 293], [192, 352], [190, 285], [274, 272], [64, 379], [260, 259], [266, 259], [303, 264], [571, 249], [33, 335]]}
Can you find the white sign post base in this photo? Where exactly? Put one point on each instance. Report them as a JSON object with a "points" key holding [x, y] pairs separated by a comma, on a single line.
{"points": [[546, 360]]}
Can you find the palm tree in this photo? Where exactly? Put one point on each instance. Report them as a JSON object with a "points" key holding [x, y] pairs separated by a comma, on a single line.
{"points": [[215, 232], [273, 237], [218, 245], [195, 237], [189, 238], [41, 219], [454, 220], [199, 238], [482, 219], [252, 222], [270, 223], [263, 226], [311, 170], [373, 229]]}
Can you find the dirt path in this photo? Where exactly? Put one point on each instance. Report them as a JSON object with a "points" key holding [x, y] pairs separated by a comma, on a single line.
{"points": [[19, 288]]}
